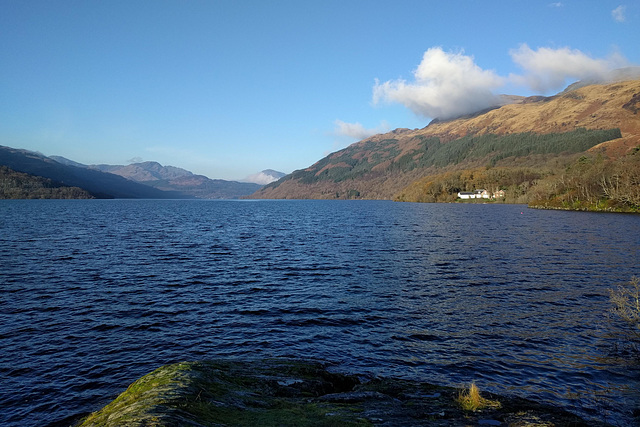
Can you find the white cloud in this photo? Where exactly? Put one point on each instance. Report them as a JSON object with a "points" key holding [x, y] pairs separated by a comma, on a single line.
{"points": [[261, 178], [619, 13], [556, 4], [547, 69], [357, 131], [445, 85], [448, 85]]}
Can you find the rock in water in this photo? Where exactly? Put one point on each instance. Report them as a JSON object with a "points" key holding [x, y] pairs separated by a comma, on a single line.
{"points": [[285, 392]]}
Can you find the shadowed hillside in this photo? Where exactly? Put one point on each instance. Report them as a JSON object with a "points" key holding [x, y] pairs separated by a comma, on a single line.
{"points": [[173, 179], [17, 185], [99, 184]]}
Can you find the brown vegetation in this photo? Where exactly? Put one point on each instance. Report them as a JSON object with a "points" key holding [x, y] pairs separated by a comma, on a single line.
{"points": [[423, 164], [514, 181], [471, 400], [592, 183], [591, 107], [626, 307]]}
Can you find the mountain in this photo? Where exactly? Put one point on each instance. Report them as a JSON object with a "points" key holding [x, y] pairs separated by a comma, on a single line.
{"points": [[137, 180], [171, 178], [201, 187], [99, 184], [67, 162], [538, 133], [144, 172], [614, 76], [174, 179], [267, 176]]}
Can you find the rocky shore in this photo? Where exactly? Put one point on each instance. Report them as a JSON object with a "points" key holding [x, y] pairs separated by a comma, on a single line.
{"points": [[287, 392]]}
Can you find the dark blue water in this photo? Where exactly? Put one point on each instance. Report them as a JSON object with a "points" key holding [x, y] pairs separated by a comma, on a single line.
{"points": [[95, 294]]}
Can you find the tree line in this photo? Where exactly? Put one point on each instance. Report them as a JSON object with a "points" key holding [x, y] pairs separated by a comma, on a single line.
{"points": [[497, 147], [359, 160], [18, 185], [590, 182], [593, 182]]}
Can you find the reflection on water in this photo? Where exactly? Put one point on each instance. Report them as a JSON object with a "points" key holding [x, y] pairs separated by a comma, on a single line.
{"points": [[98, 293]]}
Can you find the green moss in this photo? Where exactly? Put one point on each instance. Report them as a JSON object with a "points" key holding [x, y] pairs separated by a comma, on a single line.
{"points": [[149, 391], [229, 393], [284, 392]]}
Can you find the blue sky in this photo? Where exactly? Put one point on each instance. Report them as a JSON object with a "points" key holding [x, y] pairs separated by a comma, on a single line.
{"points": [[229, 88]]}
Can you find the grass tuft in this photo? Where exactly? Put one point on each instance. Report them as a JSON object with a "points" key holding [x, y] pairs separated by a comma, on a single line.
{"points": [[471, 400], [626, 306]]}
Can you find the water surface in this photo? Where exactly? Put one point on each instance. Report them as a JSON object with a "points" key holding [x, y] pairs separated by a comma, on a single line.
{"points": [[96, 293]]}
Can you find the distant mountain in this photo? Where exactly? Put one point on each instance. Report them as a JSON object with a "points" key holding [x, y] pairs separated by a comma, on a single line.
{"points": [[67, 162], [145, 171], [137, 180], [204, 188], [171, 178], [265, 177], [534, 132], [99, 184]]}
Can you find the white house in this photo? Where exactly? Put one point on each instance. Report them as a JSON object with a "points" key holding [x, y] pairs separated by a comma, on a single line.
{"points": [[475, 194]]}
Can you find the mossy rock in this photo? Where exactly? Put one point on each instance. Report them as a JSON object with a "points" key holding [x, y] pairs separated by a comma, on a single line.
{"points": [[285, 392]]}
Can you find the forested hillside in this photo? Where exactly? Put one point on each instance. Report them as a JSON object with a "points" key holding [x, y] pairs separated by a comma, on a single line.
{"points": [[359, 160], [528, 149], [593, 182], [16, 185], [590, 182]]}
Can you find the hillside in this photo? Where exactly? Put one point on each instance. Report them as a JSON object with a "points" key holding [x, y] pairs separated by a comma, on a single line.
{"points": [[18, 185], [201, 187], [541, 134], [173, 179], [98, 184], [144, 171]]}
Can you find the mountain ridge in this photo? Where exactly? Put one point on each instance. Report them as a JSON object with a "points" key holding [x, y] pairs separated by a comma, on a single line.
{"points": [[595, 108], [143, 171], [137, 180], [99, 184], [172, 178]]}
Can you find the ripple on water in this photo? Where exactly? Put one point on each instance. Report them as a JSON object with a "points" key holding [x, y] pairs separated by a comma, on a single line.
{"points": [[110, 290]]}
